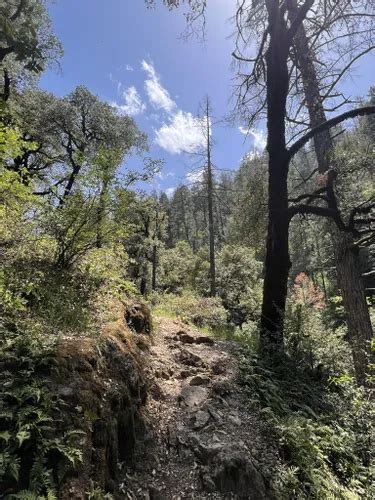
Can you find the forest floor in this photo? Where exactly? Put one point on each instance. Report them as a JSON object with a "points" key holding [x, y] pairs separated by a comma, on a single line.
{"points": [[203, 440]]}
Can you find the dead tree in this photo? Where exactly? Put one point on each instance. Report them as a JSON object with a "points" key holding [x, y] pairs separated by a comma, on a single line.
{"points": [[345, 251]]}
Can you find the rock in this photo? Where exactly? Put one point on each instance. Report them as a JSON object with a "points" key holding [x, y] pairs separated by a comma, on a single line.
{"points": [[186, 338], [165, 375], [206, 453], [232, 472], [155, 493], [199, 380], [188, 358], [223, 388], [156, 392], [193, 395], [201, 419], [208, 483], [214, 414], [204, 340], [186, 373], [235, 419], [181, 332], [228, 470], [138, 317], [218, 368]]}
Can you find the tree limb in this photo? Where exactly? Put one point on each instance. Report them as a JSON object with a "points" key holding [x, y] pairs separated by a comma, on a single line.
{"points": [[353, 113]]}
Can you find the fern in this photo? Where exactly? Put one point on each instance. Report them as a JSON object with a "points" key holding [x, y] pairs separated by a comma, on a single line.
{"points": [[28, 420]]}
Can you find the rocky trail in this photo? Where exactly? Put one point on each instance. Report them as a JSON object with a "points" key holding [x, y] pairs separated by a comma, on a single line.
{"points": [[202, 440]]}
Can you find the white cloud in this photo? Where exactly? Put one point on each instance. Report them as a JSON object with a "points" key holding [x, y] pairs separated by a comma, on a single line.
{"points": [[195, 175], [170, 191], [259, 138], [133, 104], [182, 133], [164, 175], [129, 68], [158, 96]]}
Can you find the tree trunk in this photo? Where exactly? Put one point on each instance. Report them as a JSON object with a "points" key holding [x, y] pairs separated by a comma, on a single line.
{"points": [[354, 299], [154, 266], [277, 262], [211, 228], [347, 260]]}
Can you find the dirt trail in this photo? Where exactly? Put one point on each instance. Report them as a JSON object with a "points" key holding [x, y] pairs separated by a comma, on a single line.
{"points": [[203, 441]]}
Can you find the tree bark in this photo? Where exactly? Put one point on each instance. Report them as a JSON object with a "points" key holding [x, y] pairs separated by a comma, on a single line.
{"points": [[277, 262], [354, 299]]}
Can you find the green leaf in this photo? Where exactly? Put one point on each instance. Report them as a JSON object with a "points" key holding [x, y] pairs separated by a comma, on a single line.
{"points": [[22, 436], [5, 436]]}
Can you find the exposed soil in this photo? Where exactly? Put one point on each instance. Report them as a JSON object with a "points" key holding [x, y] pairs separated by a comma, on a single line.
{"points": [[203, 440]]}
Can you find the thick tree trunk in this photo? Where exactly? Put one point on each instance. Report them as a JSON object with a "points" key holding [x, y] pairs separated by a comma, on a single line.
{"points": [[277, 263], [354, 299], [347, 260]]}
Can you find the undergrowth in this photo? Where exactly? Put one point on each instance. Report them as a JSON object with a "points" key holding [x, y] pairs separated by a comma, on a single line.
{"points": [[190, 308], [34, 456], [322, 426]]}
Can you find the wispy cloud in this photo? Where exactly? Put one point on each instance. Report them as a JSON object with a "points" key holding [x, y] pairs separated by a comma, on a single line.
{"points": [[128, 67], [133, 104], [259, 138], [164, 175], [159, 96], [170, 191], [181, 133], [195, 175]]}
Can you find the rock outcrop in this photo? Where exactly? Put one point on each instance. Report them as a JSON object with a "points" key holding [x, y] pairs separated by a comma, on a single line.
{"points": [[82, 400], [102, 384]]}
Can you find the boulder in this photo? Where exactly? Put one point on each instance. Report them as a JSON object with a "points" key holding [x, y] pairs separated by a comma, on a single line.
{"points": [[188, 358], [138, 317], [204, 340], [199, 380], [193, 395], [201, 419], [233, 472]]}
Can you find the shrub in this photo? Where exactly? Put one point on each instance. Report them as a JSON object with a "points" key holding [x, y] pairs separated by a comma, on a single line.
{"points": [[309, 339], [322, 427]]}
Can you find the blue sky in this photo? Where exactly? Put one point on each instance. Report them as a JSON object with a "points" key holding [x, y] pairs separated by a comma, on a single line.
{"points": [[135, 58]]}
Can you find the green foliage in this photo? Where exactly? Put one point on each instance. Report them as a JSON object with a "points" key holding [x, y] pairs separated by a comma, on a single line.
{"points": [[35, 456], [26, 34], [248, 218], [322, 428], [239, 282], [177, 268], [201, 311], [306, 318], [319, 417], [96, 493]]}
